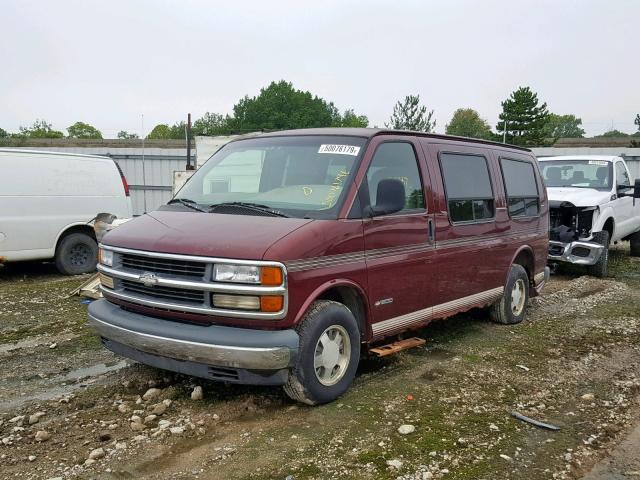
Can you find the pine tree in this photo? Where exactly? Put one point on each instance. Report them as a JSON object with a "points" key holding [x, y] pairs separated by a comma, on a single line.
{"points": [[410, 115], [523, 118]]}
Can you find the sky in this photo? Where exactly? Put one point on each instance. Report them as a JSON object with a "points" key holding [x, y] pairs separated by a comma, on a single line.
{"points": [[108, 63]]}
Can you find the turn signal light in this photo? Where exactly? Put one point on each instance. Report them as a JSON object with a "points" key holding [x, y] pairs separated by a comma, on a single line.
{"points": [[105, 280], [271, 276], [271, 303]]}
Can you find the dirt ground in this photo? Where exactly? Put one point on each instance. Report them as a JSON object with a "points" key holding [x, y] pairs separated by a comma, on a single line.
{"points": [[67, 404]]}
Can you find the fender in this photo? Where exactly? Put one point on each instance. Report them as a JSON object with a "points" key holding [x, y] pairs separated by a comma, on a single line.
{"points": [[338, 282], [66, 228], [605, 214], [523, 248]]}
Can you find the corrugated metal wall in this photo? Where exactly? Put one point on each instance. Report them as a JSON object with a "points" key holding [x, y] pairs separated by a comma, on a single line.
{"points": [[150, 181]]}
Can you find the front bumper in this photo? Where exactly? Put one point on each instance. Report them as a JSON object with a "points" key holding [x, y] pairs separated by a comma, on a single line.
{"points": [[578, 252], [243, 355]]}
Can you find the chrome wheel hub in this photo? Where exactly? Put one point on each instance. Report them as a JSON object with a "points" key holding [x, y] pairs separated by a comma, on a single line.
{"points": [[518, 296], [332, 355]]}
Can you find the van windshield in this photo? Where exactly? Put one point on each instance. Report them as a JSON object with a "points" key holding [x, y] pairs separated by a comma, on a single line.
{"points": [[300, 176], [595, 174]]}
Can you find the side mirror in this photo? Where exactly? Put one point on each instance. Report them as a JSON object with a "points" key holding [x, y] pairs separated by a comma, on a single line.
{"points": [[636, 191], [390, 198]]}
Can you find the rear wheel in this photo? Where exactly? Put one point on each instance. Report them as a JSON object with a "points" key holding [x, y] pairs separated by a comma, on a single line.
{"points": [[634, 239], [328, 355], [513, 305], [77, 253], [601, 267]]}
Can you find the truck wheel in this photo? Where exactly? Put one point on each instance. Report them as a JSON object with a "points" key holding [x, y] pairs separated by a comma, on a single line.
{"points": [[513, 305], [328, 355], [634, 240], [601, 268], [77, 253]]}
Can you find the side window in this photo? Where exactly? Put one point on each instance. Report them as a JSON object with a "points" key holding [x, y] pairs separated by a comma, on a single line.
{"points": [[396, 160], [521, 188], [622, 177], [468, 187]]}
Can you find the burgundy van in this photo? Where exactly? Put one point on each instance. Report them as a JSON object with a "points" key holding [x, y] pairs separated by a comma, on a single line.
{"points": [[287, 254]]}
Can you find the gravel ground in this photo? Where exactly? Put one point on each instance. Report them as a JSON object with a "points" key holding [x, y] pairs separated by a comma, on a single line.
{"points": [[71, 409]]}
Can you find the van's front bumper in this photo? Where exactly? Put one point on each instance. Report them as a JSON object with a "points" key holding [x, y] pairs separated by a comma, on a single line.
{"points": [[578, 252], [215, 352]]}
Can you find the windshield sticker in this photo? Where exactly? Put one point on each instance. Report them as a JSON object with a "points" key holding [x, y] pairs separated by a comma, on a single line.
{"points": [[335, 188], [597, 162], [339, 149]]}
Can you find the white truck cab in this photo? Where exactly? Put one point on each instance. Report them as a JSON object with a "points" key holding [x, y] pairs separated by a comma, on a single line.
{"points": [[593, 202], [47, 201]]}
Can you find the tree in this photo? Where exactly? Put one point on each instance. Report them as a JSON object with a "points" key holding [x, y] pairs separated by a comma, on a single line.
{"points": [[280, 106], [563, 126], [410, 115], [39, 129], [614, 134], [466, 122], [211, 124], [83, 130], [164, 131], [523, 118], [351, 119], [637, 122], [126, 135], [3, 133]]}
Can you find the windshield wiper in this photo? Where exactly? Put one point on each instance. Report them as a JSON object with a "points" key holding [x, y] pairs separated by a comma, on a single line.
{"points": [[251, 206], [187, 203]]}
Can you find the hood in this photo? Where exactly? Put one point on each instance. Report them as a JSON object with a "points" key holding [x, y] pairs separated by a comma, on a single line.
{"points": [[580, 197], [244, 237]]}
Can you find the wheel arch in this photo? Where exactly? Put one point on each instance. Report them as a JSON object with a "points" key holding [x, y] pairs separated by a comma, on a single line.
{"points": [[74, 228], [525, 257], [344, 291]]}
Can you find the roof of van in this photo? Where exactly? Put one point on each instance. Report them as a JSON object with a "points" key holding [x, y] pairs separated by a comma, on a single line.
{"points": [[371, 132], [602, 158], [48, 153]]}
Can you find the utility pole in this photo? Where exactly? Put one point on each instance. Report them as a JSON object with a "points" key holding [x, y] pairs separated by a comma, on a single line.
{"points": [[189, 166], [144, 173]]}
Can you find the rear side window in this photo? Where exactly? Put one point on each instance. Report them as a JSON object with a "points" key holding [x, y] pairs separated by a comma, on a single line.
{"points": [[468, 187], [521, 188], [396, 160]]}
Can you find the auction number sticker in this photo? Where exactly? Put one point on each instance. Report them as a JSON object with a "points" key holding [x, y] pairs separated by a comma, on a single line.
{"points": [[339, 149], [597, 162]]}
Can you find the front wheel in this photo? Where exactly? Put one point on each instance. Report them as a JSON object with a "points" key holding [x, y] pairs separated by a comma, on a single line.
{"points": [[601, 267], [76, 254], [634, 240], [328, 355], [512, 306]]}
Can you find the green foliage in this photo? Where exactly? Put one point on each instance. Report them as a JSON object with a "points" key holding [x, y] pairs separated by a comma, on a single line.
{"points": [[466, 122], [614, 134], [39, 129], [212, 124], [352, 120], [637, 121], [563, 126], [163, 131], [126, 135], [3, 133], [524, 118], [280, 106], [410, 115], [83, 130]]}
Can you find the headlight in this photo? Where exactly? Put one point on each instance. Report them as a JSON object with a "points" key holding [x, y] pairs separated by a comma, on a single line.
{"points": [[236, 273], [268, 276], [106, 257]]}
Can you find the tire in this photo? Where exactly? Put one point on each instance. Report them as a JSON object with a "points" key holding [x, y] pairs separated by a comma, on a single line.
{"points": [[304, 383], [601, 268], [77, 253], [512, 307], [634, 240]]}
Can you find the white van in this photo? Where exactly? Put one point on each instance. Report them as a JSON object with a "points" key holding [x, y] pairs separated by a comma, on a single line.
{"points": [[47, 203]]}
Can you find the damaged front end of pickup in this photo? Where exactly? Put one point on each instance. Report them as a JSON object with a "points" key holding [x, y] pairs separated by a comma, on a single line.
{"points": [[570, 236]]}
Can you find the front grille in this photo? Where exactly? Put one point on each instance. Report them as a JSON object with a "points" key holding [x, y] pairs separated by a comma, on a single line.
{"points": [[194, 297], [163, 265]]}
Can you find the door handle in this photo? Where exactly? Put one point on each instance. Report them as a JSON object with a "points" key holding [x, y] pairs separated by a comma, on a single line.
{"points": [[430, 227]]}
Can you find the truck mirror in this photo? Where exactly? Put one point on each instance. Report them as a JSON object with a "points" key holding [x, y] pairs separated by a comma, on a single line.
{"points": [[390, 198], [636, 190]]}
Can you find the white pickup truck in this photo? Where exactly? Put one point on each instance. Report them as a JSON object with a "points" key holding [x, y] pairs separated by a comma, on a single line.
{"points": [[593, 202]]}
